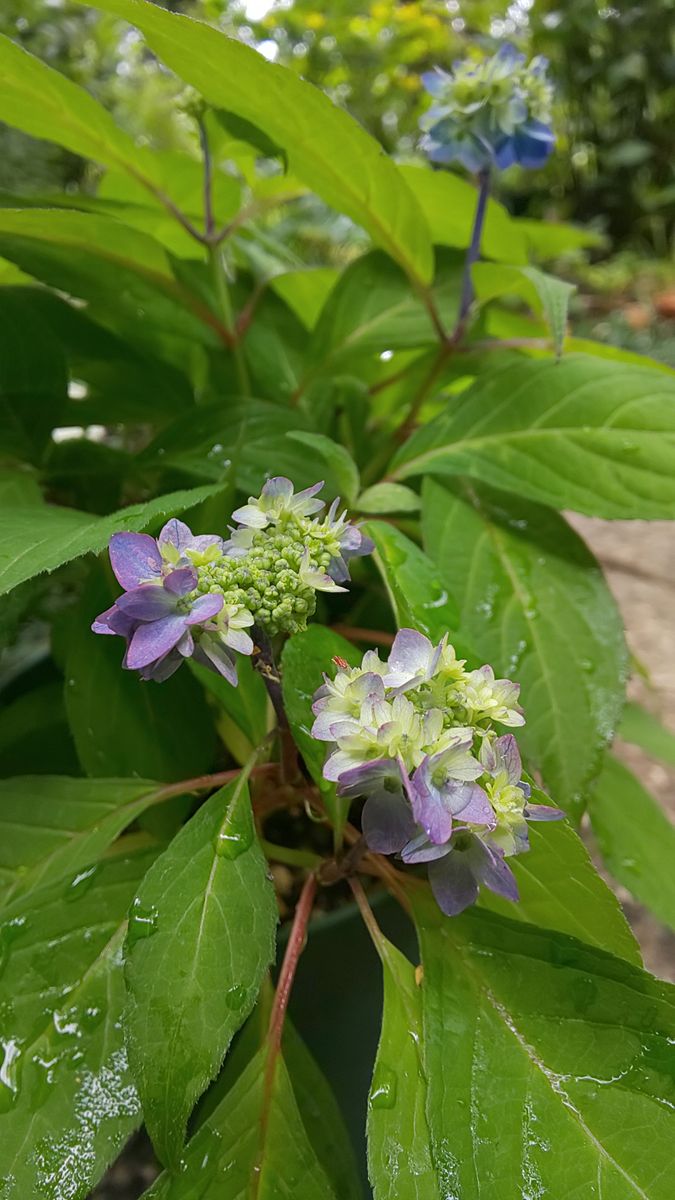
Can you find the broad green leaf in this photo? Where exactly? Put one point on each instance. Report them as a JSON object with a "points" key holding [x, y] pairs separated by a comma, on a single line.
{"points": [[388, 498], [372, 308], [549, 239], [124, 276], [36, 539], [46, 104], [306, 292], [123, 725], [19, 487], [33, 377], [253, 1145], [585, 434], [318, 1108], [449, 205], [534, 603], [122, 384], [201, 937], [37, 716], [343, 469], [400, 1166], [643, 729], [507, 323], [550, 1065], [418, 597], [545, 294], [322, 142], [560, 889], [67, 1099], [306, 658], [247, 435], [53, 826], [246, 704], [636, 838]]}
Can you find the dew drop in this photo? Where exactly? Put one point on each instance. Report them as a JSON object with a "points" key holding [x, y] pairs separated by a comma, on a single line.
{"points": [[383, 1089], [233, 838], [235, 998], [10, 1050], [81, 884], [142, 923]]}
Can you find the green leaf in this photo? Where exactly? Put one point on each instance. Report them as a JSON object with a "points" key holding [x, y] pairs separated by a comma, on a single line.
{"points": [[343, 470], [643, 729], [449, 205], [121, 724], [322, 142], [560, 889], [37, 716], [247, 435], [636, 839], [388, 498], [201, 937], [317, 1105], [246, 704], [585, 434], [67, 1099], [36, 539], [305, 659], [534, 603], [306, 292], [44, 103], [546, 1062], [372, 308], [400, 1166], [53, 826], [549, 239], [545, 294], [418, 597], [124, 276], [33, 377], [254, 1145]]}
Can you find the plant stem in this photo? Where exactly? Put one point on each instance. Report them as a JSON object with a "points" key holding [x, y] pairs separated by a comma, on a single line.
{"points": [[219, 274], [218, 267], [266, 666], [294, 948], [290, 856], [209, 223], [472, 255]]}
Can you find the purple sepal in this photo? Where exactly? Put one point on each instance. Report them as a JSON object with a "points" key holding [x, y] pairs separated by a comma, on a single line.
{"points": [[359, 781], [149, 602], [543, 812], [204, 608], [181, 581], [114, 621], [153, 639], [453, 883], [135, 559], [387, 822]]}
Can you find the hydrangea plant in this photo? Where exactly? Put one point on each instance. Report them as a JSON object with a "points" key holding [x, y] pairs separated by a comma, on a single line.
{"points": [[172, 839]]}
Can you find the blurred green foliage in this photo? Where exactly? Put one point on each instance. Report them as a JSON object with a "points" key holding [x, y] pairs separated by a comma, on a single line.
{"points": [[614, 68]]}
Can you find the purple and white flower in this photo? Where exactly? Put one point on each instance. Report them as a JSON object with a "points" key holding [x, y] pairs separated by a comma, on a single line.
{"points": [[415, 738]]}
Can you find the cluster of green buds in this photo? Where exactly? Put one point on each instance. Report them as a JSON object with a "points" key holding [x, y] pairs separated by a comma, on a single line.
{"points": [[195, 597]]}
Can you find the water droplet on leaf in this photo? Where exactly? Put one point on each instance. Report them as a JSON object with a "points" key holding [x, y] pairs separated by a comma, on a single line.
{"points": [[142, 923], [383, 1090]]}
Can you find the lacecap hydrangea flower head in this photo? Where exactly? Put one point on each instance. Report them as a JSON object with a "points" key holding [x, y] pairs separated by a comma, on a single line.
{"points": [[424, 741], [491, 113], [198, 597]]}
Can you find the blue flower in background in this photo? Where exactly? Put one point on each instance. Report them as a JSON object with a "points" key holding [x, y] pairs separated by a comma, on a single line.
{"points": [[491, 113]]}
